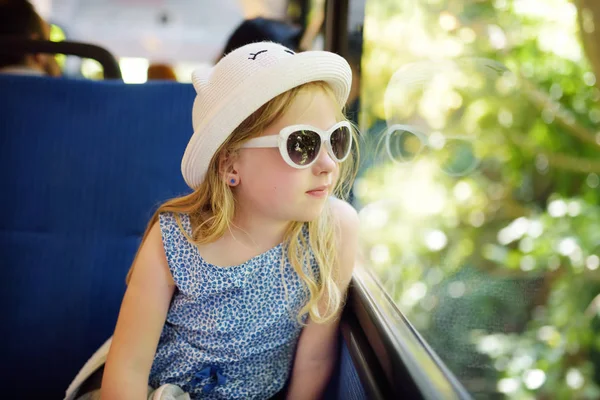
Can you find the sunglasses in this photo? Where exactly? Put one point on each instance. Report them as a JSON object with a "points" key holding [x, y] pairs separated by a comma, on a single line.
{"points": [[300, 145], [456, 156]]}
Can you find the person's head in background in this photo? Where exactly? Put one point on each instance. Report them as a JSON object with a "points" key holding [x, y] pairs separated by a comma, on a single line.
{"points": [[18, 18], [161, 72], [263, 29]]}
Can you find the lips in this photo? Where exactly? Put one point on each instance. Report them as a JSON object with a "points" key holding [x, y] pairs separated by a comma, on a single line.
{"points": [[319, 191]]}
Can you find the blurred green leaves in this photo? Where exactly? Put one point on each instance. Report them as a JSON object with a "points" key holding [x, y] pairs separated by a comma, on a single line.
{"points": [[499, 268]]}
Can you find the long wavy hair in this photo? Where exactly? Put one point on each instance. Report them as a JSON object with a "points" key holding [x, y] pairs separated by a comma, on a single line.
{"points": [[211, 208]]}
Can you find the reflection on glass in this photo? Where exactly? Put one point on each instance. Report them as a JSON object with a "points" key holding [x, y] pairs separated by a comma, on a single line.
{"points": [[480, 201], [402, 144], [454, 154]]}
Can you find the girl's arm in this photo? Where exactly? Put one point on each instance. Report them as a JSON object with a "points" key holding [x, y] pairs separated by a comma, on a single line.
{"points": [[317, 347], [141, 319]]}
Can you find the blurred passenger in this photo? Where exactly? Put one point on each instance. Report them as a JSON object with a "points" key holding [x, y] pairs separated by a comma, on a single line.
{"points": [[264, 29], [18, 18], [161, 72]]}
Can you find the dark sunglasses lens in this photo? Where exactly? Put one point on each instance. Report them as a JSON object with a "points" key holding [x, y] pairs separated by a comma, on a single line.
{"points": [[341, 139], [303, 147]]}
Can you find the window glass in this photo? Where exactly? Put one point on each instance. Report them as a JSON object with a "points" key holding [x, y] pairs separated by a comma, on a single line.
{"points": [[479, 191], [58, 35]]}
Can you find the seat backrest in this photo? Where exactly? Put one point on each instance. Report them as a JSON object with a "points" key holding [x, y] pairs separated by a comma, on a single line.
{"points": [[83, 165]]}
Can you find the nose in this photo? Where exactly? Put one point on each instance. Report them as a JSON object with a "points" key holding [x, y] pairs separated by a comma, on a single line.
{"points": [[324, 164]]}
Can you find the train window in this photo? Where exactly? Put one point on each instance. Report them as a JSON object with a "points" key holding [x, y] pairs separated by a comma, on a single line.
{"points": [[91, 69], [479, 190], [58, 35], [134, 69], [75, 66]]}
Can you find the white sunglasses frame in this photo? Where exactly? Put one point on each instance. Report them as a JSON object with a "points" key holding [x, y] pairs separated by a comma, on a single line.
{"points": [[280, 141]]}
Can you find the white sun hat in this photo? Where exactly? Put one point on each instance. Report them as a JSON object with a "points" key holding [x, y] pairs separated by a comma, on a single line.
{"points": [[243, 81]]}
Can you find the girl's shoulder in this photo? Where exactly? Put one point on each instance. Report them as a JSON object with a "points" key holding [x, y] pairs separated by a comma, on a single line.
{"points": [[176, 231], [169, 221], [344, 214], [346, 219]]}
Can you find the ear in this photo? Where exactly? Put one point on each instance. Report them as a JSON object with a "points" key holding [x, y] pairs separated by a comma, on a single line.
{"points": [[200, 78], [39, 59], [227, 167]]}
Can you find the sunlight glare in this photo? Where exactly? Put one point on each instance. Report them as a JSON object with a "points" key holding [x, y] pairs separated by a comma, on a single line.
{"points": [[436, 240], [534, 379], [557, 208], [592, 262]]}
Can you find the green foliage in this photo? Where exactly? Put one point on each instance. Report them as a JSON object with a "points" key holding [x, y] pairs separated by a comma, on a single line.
{"points": [[498, 269]]}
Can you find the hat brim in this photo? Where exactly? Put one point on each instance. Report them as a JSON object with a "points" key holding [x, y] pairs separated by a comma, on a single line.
{"points": [[214, 128]]}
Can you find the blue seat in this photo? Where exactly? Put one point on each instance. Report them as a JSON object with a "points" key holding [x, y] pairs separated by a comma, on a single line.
{"points": [[83, 165]]}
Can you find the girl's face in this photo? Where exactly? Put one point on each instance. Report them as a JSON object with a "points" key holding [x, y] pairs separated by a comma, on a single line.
{"points": [[273, 189]]}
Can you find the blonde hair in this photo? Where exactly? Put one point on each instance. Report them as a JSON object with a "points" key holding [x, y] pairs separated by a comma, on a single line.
{"points": [[211, 210]]}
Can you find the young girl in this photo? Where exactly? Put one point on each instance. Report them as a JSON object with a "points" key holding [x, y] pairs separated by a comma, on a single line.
{"points": [[237, 288]]}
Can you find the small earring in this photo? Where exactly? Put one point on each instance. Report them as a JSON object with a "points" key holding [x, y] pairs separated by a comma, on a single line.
{"points": [[232, 181]]}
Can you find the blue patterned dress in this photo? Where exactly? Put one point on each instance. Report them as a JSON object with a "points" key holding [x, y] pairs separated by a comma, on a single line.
{"points": [[230, 333]]}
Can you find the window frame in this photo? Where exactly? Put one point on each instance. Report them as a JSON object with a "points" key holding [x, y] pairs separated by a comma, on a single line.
{"points": [[391, 357]]}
